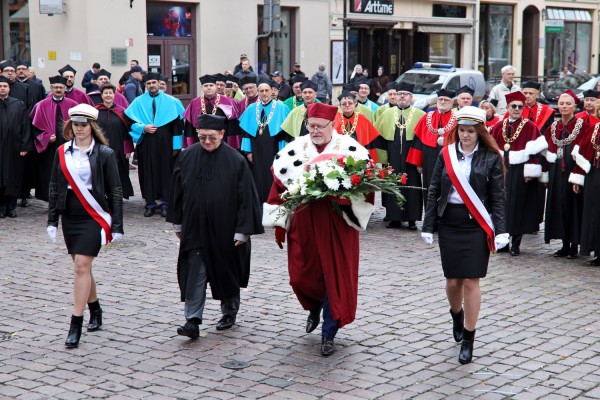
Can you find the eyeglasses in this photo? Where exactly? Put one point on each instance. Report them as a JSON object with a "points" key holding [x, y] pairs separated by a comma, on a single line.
{"points": [[316, 128], [516, 106], [346, 103], [208, 138]]}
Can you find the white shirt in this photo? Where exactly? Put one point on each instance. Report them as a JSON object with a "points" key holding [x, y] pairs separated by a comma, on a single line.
{"points": [[464, 168], [499, 93], [81, 159]]}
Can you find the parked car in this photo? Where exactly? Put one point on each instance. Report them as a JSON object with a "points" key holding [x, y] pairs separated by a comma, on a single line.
{"points": [[578, 83], [431, 77]]}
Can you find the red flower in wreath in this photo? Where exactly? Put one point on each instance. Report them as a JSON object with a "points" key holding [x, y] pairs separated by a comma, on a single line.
{"points": [[355, 179], [341, 161], [403, 179], [381, 173]]}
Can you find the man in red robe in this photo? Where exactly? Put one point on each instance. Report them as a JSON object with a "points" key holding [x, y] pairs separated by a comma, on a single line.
{"points": [[72, 92], [590, 97], [322, 243], [430, 132], [540, 114]]}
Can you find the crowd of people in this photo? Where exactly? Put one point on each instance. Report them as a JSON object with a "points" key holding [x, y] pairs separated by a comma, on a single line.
{"points": [[488, 175]]}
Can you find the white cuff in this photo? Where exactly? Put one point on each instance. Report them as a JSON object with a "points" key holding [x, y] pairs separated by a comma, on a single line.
{"points": [[580, 160], [544, 177], [532, 170], [362, 210], [576, 179], [176, 228], [275, 215], [241, 237]]}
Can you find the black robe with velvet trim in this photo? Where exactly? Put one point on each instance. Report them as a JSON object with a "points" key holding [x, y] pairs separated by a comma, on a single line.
{"points": [[213, 197]]}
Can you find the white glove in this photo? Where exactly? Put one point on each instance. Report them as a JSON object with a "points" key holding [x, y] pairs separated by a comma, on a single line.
{"points": [[427, 237], [51, 233], [501, 240], [116, 237]]}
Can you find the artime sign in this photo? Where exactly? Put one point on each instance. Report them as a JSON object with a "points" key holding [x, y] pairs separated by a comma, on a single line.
{"points": [[372, 6]]}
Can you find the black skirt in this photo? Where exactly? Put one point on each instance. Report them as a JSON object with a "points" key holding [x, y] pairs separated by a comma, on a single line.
{"points": [[82, 234], [463, 244]]}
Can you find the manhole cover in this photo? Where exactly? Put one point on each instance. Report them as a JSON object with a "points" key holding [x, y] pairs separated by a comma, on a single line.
{"points": [[235, 364]]}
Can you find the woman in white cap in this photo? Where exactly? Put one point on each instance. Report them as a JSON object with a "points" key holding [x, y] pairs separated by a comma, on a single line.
{"points": [[85, 190], [467, 195]]}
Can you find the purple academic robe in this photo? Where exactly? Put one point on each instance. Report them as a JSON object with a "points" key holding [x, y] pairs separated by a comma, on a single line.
{"points": [[119, 100], [227, 107], [43, 118], [79, 97]]}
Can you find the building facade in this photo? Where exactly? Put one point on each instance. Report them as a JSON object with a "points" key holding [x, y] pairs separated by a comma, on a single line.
{"points": [[186, 39]]}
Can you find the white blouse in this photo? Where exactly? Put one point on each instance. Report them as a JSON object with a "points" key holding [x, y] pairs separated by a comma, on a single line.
{"points": [[464, 168], [81, 159]]}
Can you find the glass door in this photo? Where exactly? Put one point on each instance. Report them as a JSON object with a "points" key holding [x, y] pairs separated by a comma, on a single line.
{"points": [[173, 59]]}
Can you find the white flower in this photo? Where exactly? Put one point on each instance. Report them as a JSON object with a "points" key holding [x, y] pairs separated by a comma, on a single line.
{"points": [[293, 189], [333, 184], [346, 183]]}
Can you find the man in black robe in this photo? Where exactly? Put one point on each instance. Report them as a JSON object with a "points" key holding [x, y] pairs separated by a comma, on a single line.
{"points": [[157, 121], [214, 209], [15, 142]]}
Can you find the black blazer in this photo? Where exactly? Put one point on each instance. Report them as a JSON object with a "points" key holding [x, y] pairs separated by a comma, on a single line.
{"points": [[486, 178], [106, 186]]}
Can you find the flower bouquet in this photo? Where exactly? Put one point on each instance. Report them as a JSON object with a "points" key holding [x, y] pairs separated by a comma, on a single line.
{"points": [[342, 179]]}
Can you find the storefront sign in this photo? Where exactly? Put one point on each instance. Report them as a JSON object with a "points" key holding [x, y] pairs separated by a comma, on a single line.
{"points": [[51, 7], [555, 25], [372, 6]]}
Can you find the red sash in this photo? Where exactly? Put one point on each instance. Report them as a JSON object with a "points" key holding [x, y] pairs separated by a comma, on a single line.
{"points": [[85, 197], [468, 195]]}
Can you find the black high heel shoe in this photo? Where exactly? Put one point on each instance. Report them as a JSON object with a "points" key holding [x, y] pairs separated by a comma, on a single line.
{"points": [[458, 325], [74, 332], [466, 348], [95, 316]]}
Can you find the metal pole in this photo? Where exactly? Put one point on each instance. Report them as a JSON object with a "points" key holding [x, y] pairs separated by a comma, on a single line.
{"points": [[345, 25]]}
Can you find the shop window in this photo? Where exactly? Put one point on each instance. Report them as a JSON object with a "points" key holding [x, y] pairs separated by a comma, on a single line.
{"points": [[444, 48], [445, 11], [275, 52], [570, 48], [495, 38], [15, 25]]}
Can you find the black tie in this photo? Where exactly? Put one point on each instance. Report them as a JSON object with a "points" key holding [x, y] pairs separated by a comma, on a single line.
{"points": [[263, 117], [153, 108]]}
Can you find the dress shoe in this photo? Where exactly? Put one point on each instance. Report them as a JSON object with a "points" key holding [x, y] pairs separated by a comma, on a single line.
{"points": [[505, 249], [189, 329], [225, 323], [466, 348], [394, 225], [327, 347], [573, 252], [412, 226], [595, 262], [74, 332], [562, 252], [163, 212], [458, 325], [12, 213], [515, 251], [314, 317], [149, 212], [95, 316], [25, 203]]}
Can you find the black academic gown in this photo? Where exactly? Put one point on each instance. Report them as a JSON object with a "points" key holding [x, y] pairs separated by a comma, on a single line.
{"points": [[412, 210], [155, 161], [117, 132], [213, 197], [15, 137]]}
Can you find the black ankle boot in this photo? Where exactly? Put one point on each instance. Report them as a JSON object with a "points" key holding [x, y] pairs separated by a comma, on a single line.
{"points": [[95, 316], [466, 348], [573, 252], [458, 324], [74, 332]]}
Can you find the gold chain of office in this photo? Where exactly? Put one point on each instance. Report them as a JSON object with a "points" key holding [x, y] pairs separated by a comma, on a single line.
{"points": [[214, 110], [596, 146], [508, 140], [262, 125], [407, 121], [567, 141], [354, 124]]}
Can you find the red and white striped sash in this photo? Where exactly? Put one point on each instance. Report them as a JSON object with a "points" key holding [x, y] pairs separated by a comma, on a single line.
{"points": [[468, 195], [85, 197]]}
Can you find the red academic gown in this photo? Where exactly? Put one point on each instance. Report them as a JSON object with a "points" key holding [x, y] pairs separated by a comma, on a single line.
{"points": [[365, 133], [590, 119], [489, 123], [323, 252]]}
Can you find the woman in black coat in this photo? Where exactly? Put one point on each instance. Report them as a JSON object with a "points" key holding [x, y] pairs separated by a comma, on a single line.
{"points": [[85, 190], [466, 194]]}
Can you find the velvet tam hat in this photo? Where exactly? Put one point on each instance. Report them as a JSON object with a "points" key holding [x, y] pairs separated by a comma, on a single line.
{"points": [[532, 85], [151, 76], [446, 93], [591, 93], [204, 79], [569, 92], [308, 84], [67, 68], [57, 79], [405, 87], [211, 122], [465, 89], [102, 72], [320, 110], [515, 96]]}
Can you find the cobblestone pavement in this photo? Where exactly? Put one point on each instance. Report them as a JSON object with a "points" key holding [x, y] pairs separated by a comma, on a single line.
{"points": [[538, 336]]}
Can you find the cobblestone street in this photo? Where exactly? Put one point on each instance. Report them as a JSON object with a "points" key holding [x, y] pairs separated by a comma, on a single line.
{"points": [[538, 336]]}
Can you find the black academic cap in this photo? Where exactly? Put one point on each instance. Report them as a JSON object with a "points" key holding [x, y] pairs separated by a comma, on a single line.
{"points": [[204, 79], [22, 62], [390, 86], [262, 81], [494, 102], [220, 77], [163, 78], [67, 68], [298, 78], [591, 93], [151, 76], [274, 85], [211, 122], [362, 81], [102, 72], [532, 85], [7, 63], [346, 94], [231, 78], [405, 87], [247, 80], [308, 84], [4, 79], [57, 79], [465, 89], [446, 93], [350, 87]]}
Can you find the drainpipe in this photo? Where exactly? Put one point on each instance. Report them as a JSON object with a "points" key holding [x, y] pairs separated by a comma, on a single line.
{"points": [[475, 37]]}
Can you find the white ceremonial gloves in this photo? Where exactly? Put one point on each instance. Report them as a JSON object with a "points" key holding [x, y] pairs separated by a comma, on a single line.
{"points": [[501, 240], [427, 237], [116, 237], [51, 233]]}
